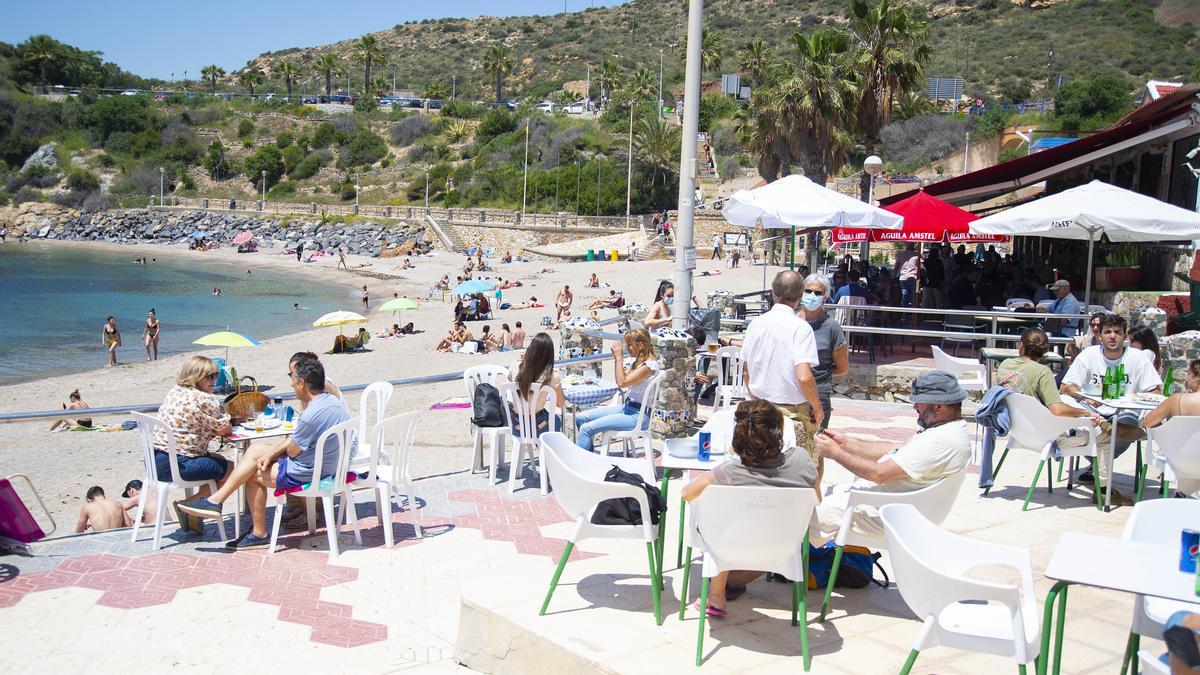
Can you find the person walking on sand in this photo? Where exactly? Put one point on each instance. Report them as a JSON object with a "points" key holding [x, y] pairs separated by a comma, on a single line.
{"points": [[365, 297], [563, 302], [299, 251], [150, 334], [342, 260], [110, 337]]}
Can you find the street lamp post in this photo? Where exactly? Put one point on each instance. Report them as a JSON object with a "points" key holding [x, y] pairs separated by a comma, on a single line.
{"points": [[587, 90], [264, 190], [629, 169], [161, 174], [525, 180], [427, 190], [660, 80], [873, 166], [685, 253]]}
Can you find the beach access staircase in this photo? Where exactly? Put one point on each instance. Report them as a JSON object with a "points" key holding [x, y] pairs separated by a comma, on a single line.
{"points": [[448, 236], [653, 248]]}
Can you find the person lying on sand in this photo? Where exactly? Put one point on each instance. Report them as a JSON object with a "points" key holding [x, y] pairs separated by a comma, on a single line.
{"points": [[100, 513], [532, 304], [394, 331]]}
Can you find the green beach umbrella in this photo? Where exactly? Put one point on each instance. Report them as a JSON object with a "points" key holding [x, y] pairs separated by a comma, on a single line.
{"points": [[398, 305], [226, 339]]}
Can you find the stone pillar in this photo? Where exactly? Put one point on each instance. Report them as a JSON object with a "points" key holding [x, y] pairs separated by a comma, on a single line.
{"points": [[675, 410], [636, 312], [1178, 350], [572, 343], [723, 300], [1153, 317]]}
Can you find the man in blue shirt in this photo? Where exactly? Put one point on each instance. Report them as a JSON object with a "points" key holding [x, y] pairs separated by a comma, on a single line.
{"points": [[287, 465], [1065, 303], [854, 289]]}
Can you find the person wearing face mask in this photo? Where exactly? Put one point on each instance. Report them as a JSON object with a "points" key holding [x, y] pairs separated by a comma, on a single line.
{"points": [[660, 312], [940, 449], [833, 353]]}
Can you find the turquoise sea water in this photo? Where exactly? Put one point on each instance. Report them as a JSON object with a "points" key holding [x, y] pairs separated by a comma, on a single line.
{"points": [[56, 298]]}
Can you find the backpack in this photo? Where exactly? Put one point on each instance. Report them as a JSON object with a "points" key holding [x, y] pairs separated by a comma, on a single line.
{"points": [[488, 409], [857, 569], [626, 510]]}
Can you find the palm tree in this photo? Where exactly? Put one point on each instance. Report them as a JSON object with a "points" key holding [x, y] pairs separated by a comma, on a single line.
{"points": [[212, 74], [710, 51], [380, 87], [289, 72], [656, 144], [755, 57], [249, 79], [42, 49], [499, 64], [437, 90], [565, 97], [368, 52], [892, 51], [611, 75], [643, 84], [910, 104], [762, 130], [328, 66]]}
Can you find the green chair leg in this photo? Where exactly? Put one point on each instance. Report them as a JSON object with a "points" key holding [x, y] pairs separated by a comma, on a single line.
{"points": [[1141, 483], [679, 546], [687, 578], [703, 616], [1060, 468], [1050, 475], [1021, 668], [1096, 484], [795, 604], [562, 562], [1003, 456], [908, 663], [1036, 475], [833, 572], [1061, 620], [1129, 662], [655, 584], [1166, 488], [801, 591]]}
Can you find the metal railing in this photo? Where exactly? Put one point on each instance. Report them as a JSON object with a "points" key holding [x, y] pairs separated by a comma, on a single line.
{"points": [[8, 418]]}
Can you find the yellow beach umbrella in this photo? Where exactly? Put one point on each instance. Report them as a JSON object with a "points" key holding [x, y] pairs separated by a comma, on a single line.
{"points": [[339, 319]]}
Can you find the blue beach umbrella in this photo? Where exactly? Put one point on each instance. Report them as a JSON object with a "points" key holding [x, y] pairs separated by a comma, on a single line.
{"points": [[197, 234], [473, 286]]}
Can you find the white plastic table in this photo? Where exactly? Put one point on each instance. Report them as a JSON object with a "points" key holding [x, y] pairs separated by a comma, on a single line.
{"points": [[241, 437], [1127, 402], [1113, 564]]}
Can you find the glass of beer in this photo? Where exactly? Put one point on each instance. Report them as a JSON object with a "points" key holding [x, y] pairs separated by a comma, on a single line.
{"points": [[712, 347], [258, 423]]}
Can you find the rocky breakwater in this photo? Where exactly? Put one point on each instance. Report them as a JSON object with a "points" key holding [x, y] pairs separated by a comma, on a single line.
{"points": [[158, 227]]}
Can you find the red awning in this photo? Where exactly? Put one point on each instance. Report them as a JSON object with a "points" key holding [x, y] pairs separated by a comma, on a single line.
{"points": [[926, 219]]}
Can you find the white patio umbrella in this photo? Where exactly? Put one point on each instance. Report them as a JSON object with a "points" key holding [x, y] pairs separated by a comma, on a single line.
{"points": [[796, 201], [1092, 210]]}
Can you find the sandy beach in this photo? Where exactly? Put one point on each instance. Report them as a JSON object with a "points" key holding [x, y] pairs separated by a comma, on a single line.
{"points": [[64, 464]]}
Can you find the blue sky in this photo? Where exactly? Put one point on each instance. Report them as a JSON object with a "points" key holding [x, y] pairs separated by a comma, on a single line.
{"points": [[158, 38]]}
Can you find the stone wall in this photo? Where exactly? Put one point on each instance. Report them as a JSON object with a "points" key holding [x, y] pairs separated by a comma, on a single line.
{"points": [[675, 410], [572, 344], [176, 227], [1179, 350]]}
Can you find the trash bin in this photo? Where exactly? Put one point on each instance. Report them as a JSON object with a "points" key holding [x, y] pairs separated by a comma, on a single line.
{"points": [[591, 255], [601, 254], [613, 255]]}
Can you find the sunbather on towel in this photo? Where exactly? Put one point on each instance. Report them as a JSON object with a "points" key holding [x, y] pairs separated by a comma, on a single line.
{"points": [[76, 403]]}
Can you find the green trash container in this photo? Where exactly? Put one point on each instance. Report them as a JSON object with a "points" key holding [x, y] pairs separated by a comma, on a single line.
{"points": [[591, 255]]}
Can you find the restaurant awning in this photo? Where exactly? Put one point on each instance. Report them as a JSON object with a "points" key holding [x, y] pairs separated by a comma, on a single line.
{"points": [[926, 219], [1152, 121]]}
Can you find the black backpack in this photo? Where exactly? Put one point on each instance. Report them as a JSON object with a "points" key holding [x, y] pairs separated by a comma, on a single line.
{"points": [[488, 409], [626, 510]]}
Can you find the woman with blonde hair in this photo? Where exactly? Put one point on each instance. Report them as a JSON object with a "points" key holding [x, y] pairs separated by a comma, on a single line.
{"points": [[196, 417], [633, 380]]}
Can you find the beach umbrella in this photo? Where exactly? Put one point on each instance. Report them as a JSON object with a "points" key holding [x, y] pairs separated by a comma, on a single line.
{"points": [[473, 286], [198, 234], [926, 219], [796, 201], [243, 237], [399, 305], [1091, 211], [339, 319], [226, 339]]}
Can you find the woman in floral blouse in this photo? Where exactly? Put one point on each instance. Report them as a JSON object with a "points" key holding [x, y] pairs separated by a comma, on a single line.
{"points": [[196, 417]]}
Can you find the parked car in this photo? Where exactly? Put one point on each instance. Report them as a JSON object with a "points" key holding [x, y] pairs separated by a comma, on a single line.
{"points": [[130, 92], [574, 108], [435, 104], [545, 106]]}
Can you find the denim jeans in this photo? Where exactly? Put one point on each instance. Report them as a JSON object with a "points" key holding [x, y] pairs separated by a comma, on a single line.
{"points": [[908, 291], [609, 418]]}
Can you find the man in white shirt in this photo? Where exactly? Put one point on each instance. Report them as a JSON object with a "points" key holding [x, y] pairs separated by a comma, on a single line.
{"points": [[1084, 380], [779, 353], [941, 448], [716, 242]]}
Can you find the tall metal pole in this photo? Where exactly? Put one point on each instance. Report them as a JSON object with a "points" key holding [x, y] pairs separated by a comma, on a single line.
{"points": [[966, 149], [629, 168], [685, 253], [525, 181], [161, 174], [426, 189], [587, 90], [660, 98]]}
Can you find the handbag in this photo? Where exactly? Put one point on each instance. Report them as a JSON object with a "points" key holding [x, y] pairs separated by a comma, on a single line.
{"points": [[626, 510], [856, 571], [246, 403]]}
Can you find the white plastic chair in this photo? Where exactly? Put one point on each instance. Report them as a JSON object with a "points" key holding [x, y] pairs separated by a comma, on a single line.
{"points": [[371, 407], [162, 489], [495, 436], [1157, 521], [525, 439], [754, 528], [934, 502], [1033, 427], [931, 567], [1019, 304], [579, 486], [388, 475], [640, 434], [1151, 665], [971, 374], [1175, 449], [731, 370], [325, 489]]}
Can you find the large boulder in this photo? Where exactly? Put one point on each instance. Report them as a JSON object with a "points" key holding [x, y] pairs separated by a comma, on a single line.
{"points": [[42, 158], [30, 217]]}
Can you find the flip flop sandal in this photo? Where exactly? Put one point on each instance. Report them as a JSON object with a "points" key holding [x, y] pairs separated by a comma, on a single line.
{"points": [[713, 612]]}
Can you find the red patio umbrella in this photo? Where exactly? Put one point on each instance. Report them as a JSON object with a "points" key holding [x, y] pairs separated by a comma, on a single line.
{"points": [[926, 219], [243, 237]]}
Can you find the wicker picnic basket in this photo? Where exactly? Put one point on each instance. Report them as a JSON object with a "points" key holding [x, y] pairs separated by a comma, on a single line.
{"points": [[247, 401]]}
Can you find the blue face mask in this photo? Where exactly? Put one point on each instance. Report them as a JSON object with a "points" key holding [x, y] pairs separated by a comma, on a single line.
{"points": [[812, 301], [668, 299]]}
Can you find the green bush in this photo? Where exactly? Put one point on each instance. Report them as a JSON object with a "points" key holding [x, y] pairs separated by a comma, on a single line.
{"points": [[497, 121], [245, 127], [322, 136], [215, 163], [1093, 103], [292, 156], [365, 148], [464, 110], [307, 168], [267, 158], [365, 104], [715, 107], [113, 114], [81, 180], [284, 138]]}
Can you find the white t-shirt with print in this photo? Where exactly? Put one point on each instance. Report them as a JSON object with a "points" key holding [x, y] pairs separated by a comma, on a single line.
{"points": [[1087, 370], [635, 393], [930, 456]]}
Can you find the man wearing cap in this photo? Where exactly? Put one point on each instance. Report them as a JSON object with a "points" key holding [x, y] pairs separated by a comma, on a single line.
{"points": [[779, 354], [1065, 303], [941, 448]]}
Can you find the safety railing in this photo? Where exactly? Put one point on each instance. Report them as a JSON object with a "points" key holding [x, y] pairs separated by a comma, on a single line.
{"points": [[8, 418]]}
